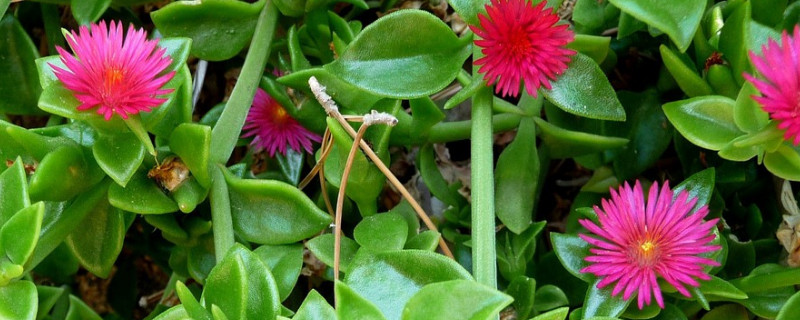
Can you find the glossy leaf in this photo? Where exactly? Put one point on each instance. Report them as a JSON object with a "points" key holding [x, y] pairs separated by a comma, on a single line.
{"points": [[727, 312], [141, 195], [548, 297], [18, 300], [314, 307], [242, 287], [381, 232], [13, 191], [178, 107], [784, 163], [562, 143], [190, 304], [583, 89], [423, 57], [98, 241], [18, 236], [88, 11], [678, 19], [78, 310], [284, 262], [19, 81], [349, 97], [455, 299], [119, 155], [733, 40], [220, 21], [427, 240], [747, 113], [699, 186], [322, 247], [192, 143], [705, 121], [469, 9], [600, 302], [686, 77], [571, 250], [648, 131], [595, 47], [62, 174], [517, 178], [790, 310], [433, 178], [389, 279], [272, 212], [759, 35], [719, 288], [351, 305], [175, 313], [557, 314], [523, 290]]}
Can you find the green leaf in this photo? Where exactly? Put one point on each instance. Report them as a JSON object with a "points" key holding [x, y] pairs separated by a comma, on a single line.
{"points": [[209, 23], [759, 35], [389, 279], [727, 312], [62, 174], [272, 212], [784, 162], [455, 299], [58, 100], [595, 47], [571, 250], [190, 304], [19, 81], [322, 247], [679, 19], [427, 240], [350, 98], [733, 40], [18, 300], [670, 312], [284, 262], [717, 288], [647, 130], [175, 313], [351, 305], [705, 121], [242, 287], [78, 310], [381, 232], [19, 234], [700, 186], [88, 11], [469, 9], [48, 296], [98, 241], [790, 310], [314, 307], [600, 303], [747, 113], [423, 57], [433, 178], [291, 8], [13, 191], [517, 178], [583, 89], [119, 155], [192, 143], [549, 297], [562, 143], [141, 195], [686, 77], [523, 290], [557, 314], [178, 107]]}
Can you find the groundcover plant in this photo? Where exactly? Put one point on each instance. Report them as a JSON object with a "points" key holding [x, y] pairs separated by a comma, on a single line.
{"points": [[391, 159]]}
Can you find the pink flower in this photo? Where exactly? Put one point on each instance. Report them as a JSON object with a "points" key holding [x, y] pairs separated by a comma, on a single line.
{"points": [[639, 240], [114, 73], [273, 128], [780, 66], [521, 42]]}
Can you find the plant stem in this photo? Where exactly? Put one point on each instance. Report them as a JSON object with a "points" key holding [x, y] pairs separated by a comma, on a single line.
{"points": [[484, 267], [461, 130], [221, 221], [226, 131]]}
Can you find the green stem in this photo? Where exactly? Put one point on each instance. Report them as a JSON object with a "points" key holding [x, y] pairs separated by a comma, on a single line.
{"points": [[461, 130], [226, 132], [221, 221], [484, 266]]}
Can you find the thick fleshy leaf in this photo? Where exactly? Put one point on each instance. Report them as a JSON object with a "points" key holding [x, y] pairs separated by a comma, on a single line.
{"points": [[423, 57], [78, 310], [178, 107], [469, 9], [119, 155], [685, 75], [705, 121], [717, 288], [98, 241], [350, 98], [13, 191], [351, 305], [647, 130], [733, 40], [284, 262], [175, 313], [571, 250], [88, 11], [220, 21], [19, 234], [549, 297], [192, 143], [583, 89], [600, 303], [455, 299], [314, 307], [727, 312], [48, 296], [389, 279], [759, 35], [429, 171], [517, 178], [272, 212], [747, 113], [562, 143], [594, 47], [19, 81], [790, 310], [523, 290], [784, 163], [141, 195], [18, 300], [427, 240], [557, 314], [62, 174], [190, 304], [381, 232], [242, 287], [699, 186], [679, 19], [322, 247]]}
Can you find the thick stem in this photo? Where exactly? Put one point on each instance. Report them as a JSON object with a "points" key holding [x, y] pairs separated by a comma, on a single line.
{"points": [[484, 267], [461, 130]]}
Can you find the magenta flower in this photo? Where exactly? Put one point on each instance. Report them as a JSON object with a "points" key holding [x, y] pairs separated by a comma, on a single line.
{"points": [[114, 73], [639, 240], [521, 42], [780, 66], [273, 129]]}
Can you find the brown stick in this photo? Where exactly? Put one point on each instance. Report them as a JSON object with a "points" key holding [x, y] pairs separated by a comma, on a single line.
{"points": [[337, 235]]}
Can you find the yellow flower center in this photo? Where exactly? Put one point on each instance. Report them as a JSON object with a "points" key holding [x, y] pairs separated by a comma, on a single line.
{"points": [[113, 77], [646, 254]]}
